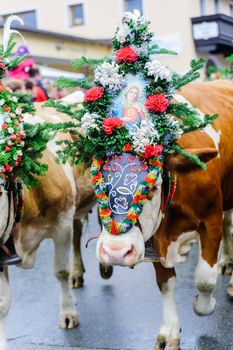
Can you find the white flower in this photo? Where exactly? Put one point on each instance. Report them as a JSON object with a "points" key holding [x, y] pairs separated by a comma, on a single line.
{"points": [[175, 126], [88, 121], [22, 144], [157, 70], [10, 130], [122, 32], [14, 99], [18, 110], [7, 119], [107, 74], [134, 16], [2, 101], [19, 153], [142, 49], [144, 135]]}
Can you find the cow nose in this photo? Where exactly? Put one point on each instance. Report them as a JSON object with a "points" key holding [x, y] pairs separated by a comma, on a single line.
{"points": [[117, 255]]}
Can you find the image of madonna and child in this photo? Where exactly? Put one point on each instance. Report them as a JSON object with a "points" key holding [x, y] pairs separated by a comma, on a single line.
{"points": [[131, 111]]}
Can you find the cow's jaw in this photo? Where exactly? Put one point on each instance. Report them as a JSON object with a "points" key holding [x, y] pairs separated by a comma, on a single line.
{"points": [[128, 249], [7, 215]]}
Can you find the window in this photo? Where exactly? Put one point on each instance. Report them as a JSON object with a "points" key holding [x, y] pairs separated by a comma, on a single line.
{"points": [[28, 17], [130, 5], [76, 15], [231, 8], [203, 7], [217, 6]]}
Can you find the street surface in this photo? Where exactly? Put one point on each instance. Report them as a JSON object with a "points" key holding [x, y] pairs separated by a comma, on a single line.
{"points": [[122, 313]]}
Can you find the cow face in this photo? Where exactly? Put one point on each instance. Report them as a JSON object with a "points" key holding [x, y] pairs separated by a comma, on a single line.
{"points": [[128, 249], [123, 175], [7, 213]]}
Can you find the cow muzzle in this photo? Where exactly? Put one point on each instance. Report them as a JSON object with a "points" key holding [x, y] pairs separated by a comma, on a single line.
{"points": [[123, 250]]}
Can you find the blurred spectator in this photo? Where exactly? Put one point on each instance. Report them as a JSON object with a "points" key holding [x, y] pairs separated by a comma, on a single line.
{"points": [[34, 74], [38, 94], [22, 71], [16, 85]]}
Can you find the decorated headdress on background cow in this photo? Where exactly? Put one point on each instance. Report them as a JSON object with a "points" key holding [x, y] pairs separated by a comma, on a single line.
{"points": [[126, 124], [21, 143]]}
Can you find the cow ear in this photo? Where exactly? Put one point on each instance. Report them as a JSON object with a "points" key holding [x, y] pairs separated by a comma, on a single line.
{"points": [[177, 162]]}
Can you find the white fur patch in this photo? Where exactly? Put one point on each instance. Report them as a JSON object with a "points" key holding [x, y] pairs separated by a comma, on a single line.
{"points": [[209, 129], [5, 301], [178, 250], [5, 229], [170, 327]]}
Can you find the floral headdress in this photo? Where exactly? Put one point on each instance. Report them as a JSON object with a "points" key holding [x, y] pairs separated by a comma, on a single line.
{"points": [[21, 143], [100, 134]]}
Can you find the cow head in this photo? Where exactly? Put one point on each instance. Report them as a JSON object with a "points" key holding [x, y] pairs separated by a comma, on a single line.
{"points": [[128, 249], [7, 212]]}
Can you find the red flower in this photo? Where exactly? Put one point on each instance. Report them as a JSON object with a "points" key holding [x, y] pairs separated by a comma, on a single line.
{"points": [[111, 123], [7, 168], [10, 143], [13, 137], [7, 109], [157, 103], [152, 150], [19, 141], [4, 126], [7, 149], [93, 94], [127, 148], [126, 54]]}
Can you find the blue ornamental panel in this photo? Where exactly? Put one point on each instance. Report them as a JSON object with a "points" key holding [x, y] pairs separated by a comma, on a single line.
{"points": [[122, 175]]}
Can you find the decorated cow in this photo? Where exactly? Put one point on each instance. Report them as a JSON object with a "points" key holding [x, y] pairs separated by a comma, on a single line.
{"points": [[147, 147]]}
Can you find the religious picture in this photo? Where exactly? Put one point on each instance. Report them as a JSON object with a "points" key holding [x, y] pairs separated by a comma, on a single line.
{"points": [[129, 105]]}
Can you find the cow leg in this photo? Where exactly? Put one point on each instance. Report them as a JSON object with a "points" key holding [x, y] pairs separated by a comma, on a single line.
{"points": [[5, 301], [206, 271], [77, 266], [169, 332], [226, 252], [62, 240]]}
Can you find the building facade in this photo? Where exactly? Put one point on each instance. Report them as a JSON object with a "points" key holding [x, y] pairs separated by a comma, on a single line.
{"points": [[58, 31]]}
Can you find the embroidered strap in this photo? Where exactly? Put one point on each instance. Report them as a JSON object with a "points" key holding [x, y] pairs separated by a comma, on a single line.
{"points": [[172, 182]]}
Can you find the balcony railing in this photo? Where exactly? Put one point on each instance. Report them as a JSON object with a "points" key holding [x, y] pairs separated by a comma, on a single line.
{"points": [[213, 33]]}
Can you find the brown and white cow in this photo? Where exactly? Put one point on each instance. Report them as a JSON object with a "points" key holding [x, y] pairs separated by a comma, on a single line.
{"points": [[196, 213], [52, 210]]}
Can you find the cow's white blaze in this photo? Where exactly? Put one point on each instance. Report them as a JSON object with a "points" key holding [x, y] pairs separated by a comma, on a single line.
{"points": [[7, 215], [128, 249], [170, 327]]}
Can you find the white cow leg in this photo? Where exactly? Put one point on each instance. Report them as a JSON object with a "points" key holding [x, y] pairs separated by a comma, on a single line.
{"points": [[5, 301], [77, 264], [62, 240], [207, 271], [168, 337], [226, 251]]}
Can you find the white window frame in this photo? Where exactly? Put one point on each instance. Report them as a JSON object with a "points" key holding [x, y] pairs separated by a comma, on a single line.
{"points": [[203, 7], [23, 10], [231, 8], [68, 14], [143, 7], [217, 6]]}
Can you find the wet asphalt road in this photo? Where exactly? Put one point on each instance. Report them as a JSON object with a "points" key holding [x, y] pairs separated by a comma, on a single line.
{"points": [[122, 313]]}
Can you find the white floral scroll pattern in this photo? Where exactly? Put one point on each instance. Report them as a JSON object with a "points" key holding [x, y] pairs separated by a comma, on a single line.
{"points": [[122, 175]]}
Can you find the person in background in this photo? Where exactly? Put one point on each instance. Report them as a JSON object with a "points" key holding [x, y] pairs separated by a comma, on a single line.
{"points": [[38, 94], [22, 71], [34, 74]]}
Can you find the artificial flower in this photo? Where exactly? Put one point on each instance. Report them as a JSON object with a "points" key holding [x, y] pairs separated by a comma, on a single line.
{"points": [[158, 71], [127, 55], [152, 150], [88, 122], [93, 94], [157, 103], [107, 74], [144, 135], [111, 123]]}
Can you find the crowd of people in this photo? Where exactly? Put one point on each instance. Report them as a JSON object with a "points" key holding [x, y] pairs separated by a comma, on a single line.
{"points": [[26, 78]]}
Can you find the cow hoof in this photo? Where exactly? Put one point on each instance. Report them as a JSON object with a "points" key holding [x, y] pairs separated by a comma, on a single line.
{"points": [[105, 271], [170, 344], [230, 291], [76, 281], [68, 321], [204, 306]]}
